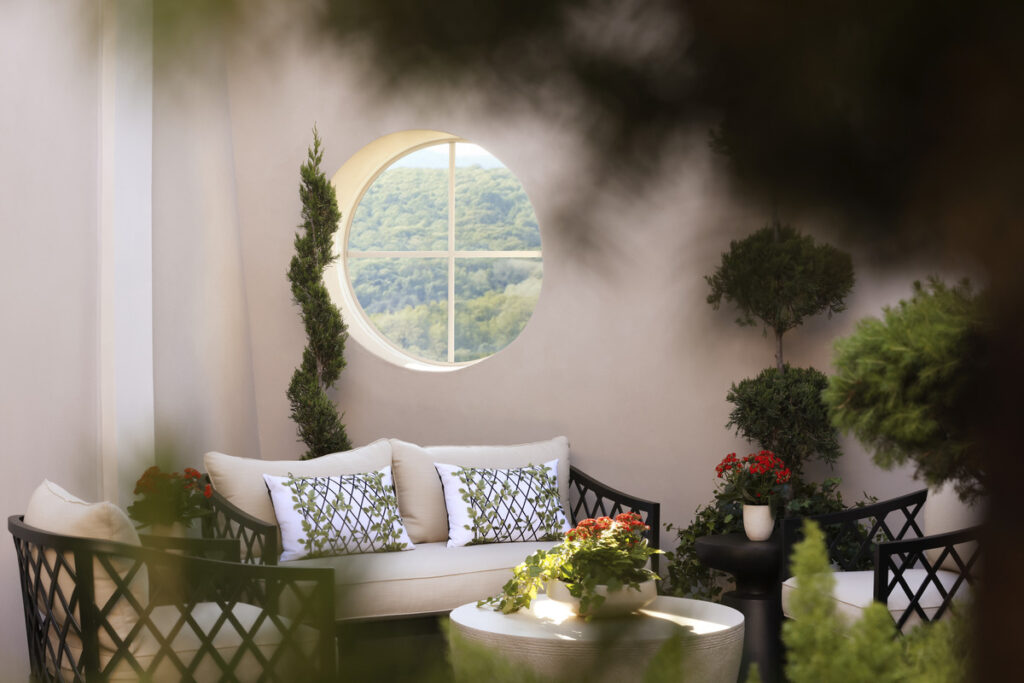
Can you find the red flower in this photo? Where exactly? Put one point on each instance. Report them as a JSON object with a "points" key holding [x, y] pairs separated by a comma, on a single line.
{"points": [[208, 491]]}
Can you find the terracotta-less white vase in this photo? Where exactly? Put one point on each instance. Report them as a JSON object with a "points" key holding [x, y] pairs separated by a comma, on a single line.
{"points": [[758, 522], [616, 603]]}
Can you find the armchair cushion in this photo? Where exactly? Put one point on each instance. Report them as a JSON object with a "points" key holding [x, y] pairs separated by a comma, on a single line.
{"points": [[240, 480], [854, 590], [421, 497], [53, 509]]}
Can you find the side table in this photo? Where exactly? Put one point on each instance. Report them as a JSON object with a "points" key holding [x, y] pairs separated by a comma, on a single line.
{"points": [[551, 642], [755, 567]]}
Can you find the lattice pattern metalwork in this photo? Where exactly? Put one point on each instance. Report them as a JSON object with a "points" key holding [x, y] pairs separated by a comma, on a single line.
{"points": [[87, 619], [590, 498], [887, 538], [257, 540]]}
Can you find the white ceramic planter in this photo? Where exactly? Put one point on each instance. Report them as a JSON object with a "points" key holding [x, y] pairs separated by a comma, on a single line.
{"points": [[758, 522], [616, 603]]}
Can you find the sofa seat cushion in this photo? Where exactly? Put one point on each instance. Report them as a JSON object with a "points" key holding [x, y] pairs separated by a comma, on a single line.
{"points": [[854, 591], [205, 618], [430, 579]]}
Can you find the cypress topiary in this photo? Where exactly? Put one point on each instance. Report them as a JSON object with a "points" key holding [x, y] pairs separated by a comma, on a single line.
{"points": [[908, 386], [317, 418]]}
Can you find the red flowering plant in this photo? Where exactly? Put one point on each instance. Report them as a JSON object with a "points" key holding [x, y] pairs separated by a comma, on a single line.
{"points": [[755, 479], [601, 551], [169, 497]]}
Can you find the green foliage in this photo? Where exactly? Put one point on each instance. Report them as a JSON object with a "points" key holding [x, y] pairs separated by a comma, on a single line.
{"points": [[687, 575], [823, 648], [596, 552], [319, 425], [905, 385], [785, 414], [780, 277]]}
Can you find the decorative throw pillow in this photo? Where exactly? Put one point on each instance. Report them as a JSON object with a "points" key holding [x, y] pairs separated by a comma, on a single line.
{"points": [[342, 515], [502, 505]]}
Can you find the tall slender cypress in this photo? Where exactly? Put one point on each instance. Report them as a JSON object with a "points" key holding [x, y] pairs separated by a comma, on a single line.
{"points": [[316, 416]]}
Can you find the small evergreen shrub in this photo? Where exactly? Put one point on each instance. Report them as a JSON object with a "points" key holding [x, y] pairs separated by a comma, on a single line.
{"points": [[784, 413], [907, 385]]}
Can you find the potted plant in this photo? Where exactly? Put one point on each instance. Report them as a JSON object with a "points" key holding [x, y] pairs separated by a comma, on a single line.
{"points": [[600, 569], [167, 502], [754, 481]]}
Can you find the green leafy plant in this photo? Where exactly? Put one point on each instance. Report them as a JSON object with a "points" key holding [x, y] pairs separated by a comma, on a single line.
{"points": [[823, 648], [317, 418], [754, 479], [169, 497], [784, 413], [906, 385], [687, 575], [596, 552], [779, 277]]}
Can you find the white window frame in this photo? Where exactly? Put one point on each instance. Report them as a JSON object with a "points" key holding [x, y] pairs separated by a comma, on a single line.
{"points": [[390, 149]]}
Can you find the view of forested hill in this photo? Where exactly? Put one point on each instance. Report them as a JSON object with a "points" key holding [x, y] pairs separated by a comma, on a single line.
{"points": [[406, 209]]}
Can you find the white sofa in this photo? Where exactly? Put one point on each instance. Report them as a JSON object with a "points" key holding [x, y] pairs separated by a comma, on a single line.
{"points": [[432, 578]]}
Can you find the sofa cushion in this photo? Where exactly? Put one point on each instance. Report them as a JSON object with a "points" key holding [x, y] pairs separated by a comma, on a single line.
{"points": [[854, 591], [53, 509], [428, 580], [488, 505], [342, 515], [240, 480], [421, 498]]}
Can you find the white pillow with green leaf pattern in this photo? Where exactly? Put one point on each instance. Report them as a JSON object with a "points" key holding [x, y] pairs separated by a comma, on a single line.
{"points": [[488, 505], [340, 515]]}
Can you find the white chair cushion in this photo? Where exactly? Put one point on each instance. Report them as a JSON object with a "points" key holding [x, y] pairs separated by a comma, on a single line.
{"points": [[240, 480], [53, 509], [421, 498], [854, 591], [186, 643], [428, 580]]}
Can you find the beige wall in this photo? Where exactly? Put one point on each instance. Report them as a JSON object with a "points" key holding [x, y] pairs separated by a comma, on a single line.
{"points": [[49, 385], [622, 354]]}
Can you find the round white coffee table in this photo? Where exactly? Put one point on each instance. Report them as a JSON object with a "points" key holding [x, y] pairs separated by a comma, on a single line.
{"points": [[552, 642]]}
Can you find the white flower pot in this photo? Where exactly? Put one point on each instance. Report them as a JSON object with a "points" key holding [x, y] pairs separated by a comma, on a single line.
{"points": [[616, 603], [758, 522]]}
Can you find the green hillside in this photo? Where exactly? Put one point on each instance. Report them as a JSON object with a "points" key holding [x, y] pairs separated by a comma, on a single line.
{"points": [[406, 298]]}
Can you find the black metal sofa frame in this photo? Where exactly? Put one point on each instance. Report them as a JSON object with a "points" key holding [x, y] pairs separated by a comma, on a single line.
{"points": [[64, 623]]}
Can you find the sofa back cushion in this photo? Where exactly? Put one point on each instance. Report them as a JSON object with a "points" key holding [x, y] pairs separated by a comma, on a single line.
{"points": [[421, 497], [240, 480], [53, 509]]}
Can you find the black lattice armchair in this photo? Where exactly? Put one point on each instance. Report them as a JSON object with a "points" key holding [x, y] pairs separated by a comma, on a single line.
{"points": [[104, 607], [883, 552]]}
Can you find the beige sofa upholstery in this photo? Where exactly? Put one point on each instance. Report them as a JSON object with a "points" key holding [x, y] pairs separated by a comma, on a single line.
{"points": [[429, 579]]}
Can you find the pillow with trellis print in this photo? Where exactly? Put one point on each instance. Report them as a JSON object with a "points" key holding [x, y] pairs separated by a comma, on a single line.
{"points": [[340, 515], [487, 505]]}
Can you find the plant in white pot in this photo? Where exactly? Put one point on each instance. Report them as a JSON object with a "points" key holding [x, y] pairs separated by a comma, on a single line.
{"points": [[600, 569], [755, 480]]}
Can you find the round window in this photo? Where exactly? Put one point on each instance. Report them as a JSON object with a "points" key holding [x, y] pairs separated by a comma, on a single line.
{"points": [[441, 254]]}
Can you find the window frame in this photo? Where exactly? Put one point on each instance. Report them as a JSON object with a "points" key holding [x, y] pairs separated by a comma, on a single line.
{"points": [[340, 286]]}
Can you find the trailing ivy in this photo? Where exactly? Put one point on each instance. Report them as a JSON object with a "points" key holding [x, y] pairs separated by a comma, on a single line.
{"points": [[317, 418]]}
